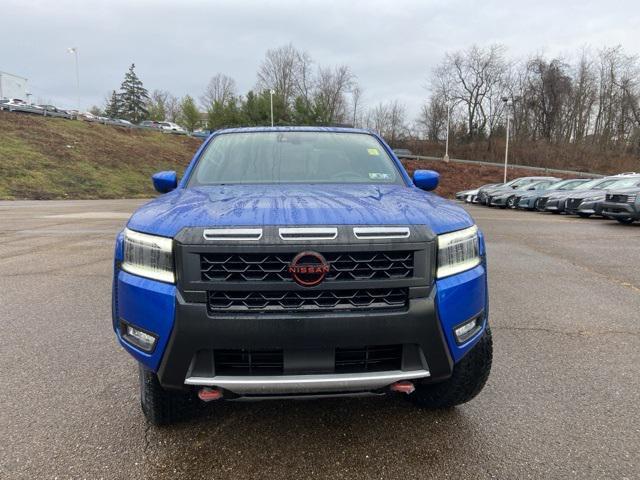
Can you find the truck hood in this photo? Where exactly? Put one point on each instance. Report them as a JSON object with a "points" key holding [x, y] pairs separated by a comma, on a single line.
{"points": [[256, 205]]}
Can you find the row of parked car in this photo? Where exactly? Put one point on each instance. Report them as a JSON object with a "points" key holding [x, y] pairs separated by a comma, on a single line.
{"points": [[18, 105], [615, 197]]}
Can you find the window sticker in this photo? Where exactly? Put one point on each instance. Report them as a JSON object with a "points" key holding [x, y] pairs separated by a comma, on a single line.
{"points": [[379, 176], [373, 151]]}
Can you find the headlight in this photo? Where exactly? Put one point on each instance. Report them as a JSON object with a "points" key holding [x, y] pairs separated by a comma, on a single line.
{"points": [[458, 251], [148, 256]]}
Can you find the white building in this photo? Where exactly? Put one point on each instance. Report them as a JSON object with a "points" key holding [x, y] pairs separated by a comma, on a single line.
{"points": [[13, 86]]}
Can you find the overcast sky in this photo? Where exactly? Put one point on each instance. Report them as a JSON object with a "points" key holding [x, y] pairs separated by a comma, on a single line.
{"points": [[391, 46]]}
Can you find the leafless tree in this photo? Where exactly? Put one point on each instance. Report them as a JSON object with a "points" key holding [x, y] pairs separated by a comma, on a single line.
{"points": [[389, 120], [332, 85], [220, 90], [433, 118], [475, 79], [356, 106], [285, 70]]}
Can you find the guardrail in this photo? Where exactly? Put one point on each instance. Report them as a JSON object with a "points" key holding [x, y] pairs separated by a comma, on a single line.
{"points": [[501, 165]]}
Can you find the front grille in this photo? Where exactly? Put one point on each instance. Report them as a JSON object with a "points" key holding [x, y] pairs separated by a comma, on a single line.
{"points": [[310, 300], [273, 267], [618, 198], [248, 362], [573, 203], [371, 358], [357, 359]]}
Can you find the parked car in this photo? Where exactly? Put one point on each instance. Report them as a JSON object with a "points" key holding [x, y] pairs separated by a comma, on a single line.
{"points": [[485, 192], [12, 103], [465, 193], [472, 195], [622, 205], [587, 203], [121, 121], [150, 124], [402, 152], [171, 127], [356, 284], [88, 116], [555, 202], [529, 200], [508, 198], [200, 133]]}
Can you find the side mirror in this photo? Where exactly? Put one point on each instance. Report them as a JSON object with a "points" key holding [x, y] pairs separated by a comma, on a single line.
{"points": [[164, 182], [426, 179]]}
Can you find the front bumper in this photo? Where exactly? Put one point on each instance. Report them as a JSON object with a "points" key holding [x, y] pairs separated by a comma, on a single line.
{"points": [[527, 203], [555, 205], [590, 208], [187, 334], [620, 210], [498, 201]]}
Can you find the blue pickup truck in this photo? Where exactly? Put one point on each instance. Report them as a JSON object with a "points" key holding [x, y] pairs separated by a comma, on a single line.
{"points": [[300, 262]]}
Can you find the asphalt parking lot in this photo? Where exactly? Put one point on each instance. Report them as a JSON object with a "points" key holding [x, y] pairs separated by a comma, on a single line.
{"points": [[563, 400]]}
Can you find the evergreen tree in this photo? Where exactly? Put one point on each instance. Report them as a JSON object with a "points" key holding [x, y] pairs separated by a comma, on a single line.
{"points": [[189, 114], [113, 109], [133, 97]]}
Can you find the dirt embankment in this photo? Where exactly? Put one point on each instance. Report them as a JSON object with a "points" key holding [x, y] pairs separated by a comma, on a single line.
{"points": [[51, 158]]}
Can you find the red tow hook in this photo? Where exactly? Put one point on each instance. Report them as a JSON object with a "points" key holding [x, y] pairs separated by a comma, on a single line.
{"points": [[209, 394], [404, 386]]}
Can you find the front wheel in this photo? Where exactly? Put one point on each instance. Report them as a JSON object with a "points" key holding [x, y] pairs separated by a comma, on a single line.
{"points": [[625, 221], [584, 215], [469, 377], [511, 202], [160, 406]]}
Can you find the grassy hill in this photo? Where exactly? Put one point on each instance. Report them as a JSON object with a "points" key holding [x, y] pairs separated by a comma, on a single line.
{"points": [[51, 158], [46, 158]]}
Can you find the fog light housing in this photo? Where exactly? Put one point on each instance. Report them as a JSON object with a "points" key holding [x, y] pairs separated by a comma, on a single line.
{"points": [[145, 341], [468, 329]]}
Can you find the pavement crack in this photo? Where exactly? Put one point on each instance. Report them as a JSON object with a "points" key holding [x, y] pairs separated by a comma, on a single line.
{"points": [[147, 428]]}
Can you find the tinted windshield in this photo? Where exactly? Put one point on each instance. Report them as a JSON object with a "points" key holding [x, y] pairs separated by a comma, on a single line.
{"points": [[294, 157]]}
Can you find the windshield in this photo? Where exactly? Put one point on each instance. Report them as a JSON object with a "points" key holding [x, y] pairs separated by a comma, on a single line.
{"points": [[566, 184], [627, 182], [589, 185], [294, 157]]}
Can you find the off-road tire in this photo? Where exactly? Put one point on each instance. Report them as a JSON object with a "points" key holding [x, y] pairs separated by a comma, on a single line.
{"points": [[160, 406], [469, 377], [625, 221]]}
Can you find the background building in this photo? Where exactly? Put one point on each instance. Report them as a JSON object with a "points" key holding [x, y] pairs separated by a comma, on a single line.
{"points": [[13, 86]]}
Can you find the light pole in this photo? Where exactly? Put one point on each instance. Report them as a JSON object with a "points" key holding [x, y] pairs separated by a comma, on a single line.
{"points": [[506, 148], [446, 145], [271, 93], [74, 50]]}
